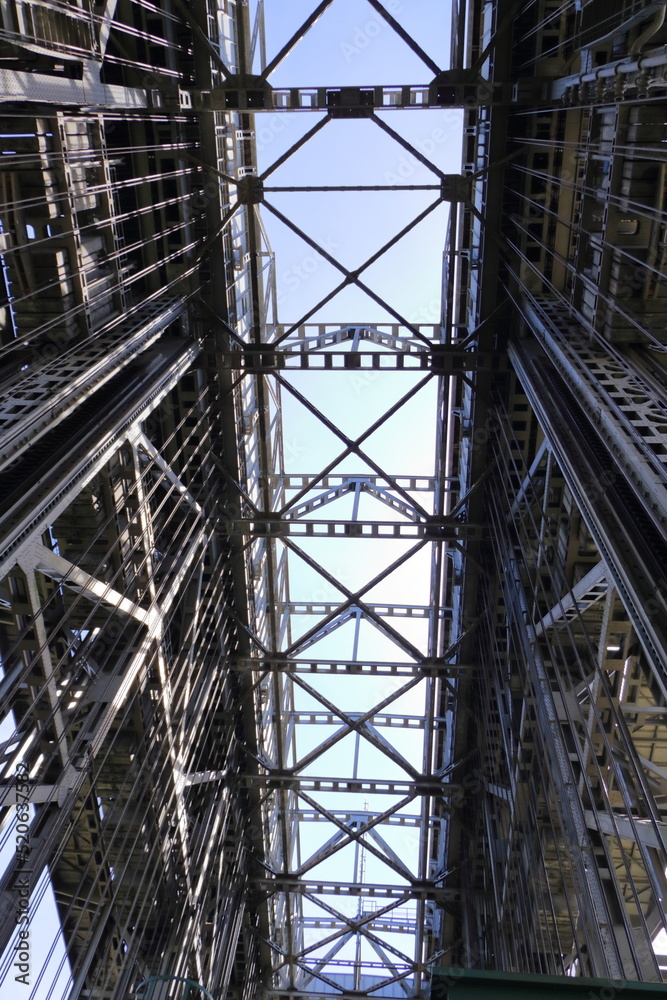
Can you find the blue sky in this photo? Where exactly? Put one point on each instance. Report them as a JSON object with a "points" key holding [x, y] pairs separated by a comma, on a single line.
{"points": [[350, 45]]}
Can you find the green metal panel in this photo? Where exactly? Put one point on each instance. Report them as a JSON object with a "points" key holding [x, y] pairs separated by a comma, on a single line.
{"points": [[477, 984]]}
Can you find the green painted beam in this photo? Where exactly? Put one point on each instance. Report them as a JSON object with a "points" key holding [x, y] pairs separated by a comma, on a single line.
{"points": [[482, 984]]}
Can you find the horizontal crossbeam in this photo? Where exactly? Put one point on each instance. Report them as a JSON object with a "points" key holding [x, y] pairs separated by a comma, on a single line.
{"points": [[443, 359], [297, 481], [253, 94], [351, 667], [386, 610], [436, 529], [385, 925], [394, 721], [394, 819], [424, 785], [424, 890]]}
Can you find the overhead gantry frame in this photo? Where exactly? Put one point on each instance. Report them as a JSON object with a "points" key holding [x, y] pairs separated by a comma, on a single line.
{"points": [[230, 504], [313, 941]]}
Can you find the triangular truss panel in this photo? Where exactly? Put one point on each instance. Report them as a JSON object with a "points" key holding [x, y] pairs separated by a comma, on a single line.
{"points": [[350, 764]]}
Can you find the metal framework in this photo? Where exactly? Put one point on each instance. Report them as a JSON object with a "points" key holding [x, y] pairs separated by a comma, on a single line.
{"points": [[226, 760], [563, 875]]}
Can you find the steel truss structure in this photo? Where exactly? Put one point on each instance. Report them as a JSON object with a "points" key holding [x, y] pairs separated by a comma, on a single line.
{"points": [[224, 757], [562, 874]]}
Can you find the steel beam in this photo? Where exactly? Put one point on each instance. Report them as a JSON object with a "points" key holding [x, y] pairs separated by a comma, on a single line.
{"points": [[89, 92], [36, 508], [425, 667], [271, 526], [439, 358]]}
